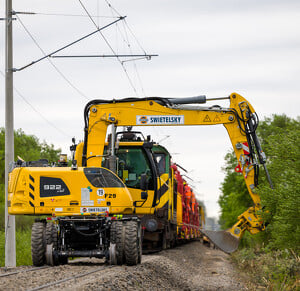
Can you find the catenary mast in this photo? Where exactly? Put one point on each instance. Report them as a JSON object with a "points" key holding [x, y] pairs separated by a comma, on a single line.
{"points": [[10, 237]]}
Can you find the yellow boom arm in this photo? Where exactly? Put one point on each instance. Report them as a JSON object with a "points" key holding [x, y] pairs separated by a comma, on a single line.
{"points": [[239, 120]]}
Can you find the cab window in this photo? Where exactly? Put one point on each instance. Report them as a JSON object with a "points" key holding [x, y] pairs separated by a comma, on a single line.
{"points": [[161, 162], [132, 162]]}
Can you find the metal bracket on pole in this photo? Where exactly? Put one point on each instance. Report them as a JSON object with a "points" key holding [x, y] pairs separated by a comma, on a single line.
{"points": [[10, 18]]}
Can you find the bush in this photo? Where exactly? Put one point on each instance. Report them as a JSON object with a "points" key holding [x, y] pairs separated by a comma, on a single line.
{"points": [[280, 137], [277, 270], [282, 203]]}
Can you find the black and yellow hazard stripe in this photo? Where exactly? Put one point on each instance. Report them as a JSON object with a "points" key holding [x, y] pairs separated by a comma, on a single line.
{"points": [[31, 191]]}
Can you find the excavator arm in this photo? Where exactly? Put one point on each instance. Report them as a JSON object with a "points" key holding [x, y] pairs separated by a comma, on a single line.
{"points": [[239, 119]]}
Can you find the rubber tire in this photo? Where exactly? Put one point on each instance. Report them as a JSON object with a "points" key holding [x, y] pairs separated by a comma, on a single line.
{"points": [[117, 236], [51, 234], [38, 244], [132, 243], [140, 243]]}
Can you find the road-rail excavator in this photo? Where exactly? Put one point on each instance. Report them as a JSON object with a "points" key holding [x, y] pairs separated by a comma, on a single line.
{"points": [[123, 194]]}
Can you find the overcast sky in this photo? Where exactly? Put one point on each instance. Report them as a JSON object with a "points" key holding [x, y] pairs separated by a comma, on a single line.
{"points": [[213, 47]]}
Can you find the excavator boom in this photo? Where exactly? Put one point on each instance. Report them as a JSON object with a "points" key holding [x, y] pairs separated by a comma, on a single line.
{"points": [[239, 119], [124, 194]]}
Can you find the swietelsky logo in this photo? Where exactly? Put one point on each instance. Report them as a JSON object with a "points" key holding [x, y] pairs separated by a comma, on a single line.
{"points": [[159, 119]]}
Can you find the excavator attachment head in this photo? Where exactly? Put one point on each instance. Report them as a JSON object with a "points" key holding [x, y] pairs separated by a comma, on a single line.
{"points": [[224, 240]]}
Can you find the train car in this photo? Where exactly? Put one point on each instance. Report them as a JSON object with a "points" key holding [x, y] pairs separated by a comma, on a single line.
{"points": [[169, 210]]}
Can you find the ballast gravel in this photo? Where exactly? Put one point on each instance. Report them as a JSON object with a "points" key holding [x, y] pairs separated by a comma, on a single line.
{"points": [[192, 266]]}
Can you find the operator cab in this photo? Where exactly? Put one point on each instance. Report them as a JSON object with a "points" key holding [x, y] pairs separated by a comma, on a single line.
{"points": [[134, 159], [137, 156]]}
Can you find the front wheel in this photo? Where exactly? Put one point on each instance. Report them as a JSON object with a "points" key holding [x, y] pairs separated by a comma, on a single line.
{"points": [[38, 244]]}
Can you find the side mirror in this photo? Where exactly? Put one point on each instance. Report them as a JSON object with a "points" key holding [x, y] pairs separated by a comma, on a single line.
{"points": [[144, 182], [144, 195]]}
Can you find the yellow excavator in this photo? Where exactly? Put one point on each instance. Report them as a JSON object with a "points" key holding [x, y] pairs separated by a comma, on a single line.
{"points": [[120, 194]]}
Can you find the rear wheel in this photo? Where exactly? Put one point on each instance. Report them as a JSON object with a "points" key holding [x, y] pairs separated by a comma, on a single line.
{"points": [[38, 243], [140, 244]]}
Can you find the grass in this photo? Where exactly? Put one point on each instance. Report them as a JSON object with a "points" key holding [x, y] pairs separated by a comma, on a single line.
{"points": [[273, 270], [23, 247], [23, 237]]}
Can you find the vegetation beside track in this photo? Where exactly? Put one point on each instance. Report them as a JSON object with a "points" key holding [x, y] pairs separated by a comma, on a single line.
{"points": [[29, 148], [23, 247], [271, 256], [272, 270]]}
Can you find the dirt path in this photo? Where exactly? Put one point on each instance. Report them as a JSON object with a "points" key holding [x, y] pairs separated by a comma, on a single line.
{"points": [[187, 267]]}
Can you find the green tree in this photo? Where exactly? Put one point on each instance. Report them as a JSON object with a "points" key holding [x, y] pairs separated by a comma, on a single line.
{"points": [[234, 199], [283, 203], [28, 148], [279, 136]]}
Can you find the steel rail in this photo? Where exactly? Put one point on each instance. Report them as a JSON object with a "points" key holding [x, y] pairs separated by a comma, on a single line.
{"points": [[68, 279], [23, 271]]}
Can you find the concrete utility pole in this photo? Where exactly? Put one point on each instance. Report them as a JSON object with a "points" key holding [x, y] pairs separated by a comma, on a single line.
{"points": [[10, 235]]}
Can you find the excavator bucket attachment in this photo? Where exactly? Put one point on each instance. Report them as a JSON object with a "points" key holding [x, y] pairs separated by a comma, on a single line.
{"points": [[224, 240]]}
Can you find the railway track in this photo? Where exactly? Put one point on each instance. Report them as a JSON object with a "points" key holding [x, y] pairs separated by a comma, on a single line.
{"points": [[23, 271], [47, 285], [46, 277], [186, 267]]}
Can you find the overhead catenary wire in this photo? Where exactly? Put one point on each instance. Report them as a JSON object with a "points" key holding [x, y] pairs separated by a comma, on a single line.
{"points": [[134, 63], [111, 48], [110, 6], [126, 40], [37, 112], [125, 22], [50, 61], [98, 9], [56, 68], [66, 46], [157, 130], [105, 39]]}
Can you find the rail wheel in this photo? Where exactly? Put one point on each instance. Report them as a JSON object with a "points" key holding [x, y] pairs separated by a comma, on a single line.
{"points": [[38, 243], [52, 239], [132, 243], [51, 243]]}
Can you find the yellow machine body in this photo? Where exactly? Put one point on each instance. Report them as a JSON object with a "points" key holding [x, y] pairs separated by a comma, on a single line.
{"points": [[39, 191], [27, 184]]}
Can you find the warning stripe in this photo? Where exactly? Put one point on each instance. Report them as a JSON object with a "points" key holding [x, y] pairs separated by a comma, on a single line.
{"points": [[245, 147], [31, 191], [163, 189]]}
